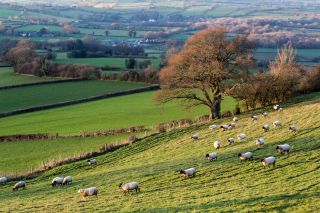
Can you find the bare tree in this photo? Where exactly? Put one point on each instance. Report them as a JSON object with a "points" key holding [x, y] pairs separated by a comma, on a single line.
{"points": [[197, 73]]}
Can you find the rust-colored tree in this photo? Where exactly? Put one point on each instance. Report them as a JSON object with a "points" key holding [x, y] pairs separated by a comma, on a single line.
{"points": [[197, 74]]}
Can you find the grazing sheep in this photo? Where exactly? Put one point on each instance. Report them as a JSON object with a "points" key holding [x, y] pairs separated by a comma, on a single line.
{"points": [[195, 137], [276, 124], [213, 127], [260, 141], [280, 109], [217, 145], [224, 127], [57, 181], [211, 156], [245, 156], [242, 136], [232, 125], [92, 162], [266, 128], [235, 119], [293, 128], [19, 185], [276, 107], [67, 180], [268, 161], [283, 148], [127, 187], [3, 180], [231, 141], [188, 172], [265, 114], [254, 117], [89, 192]]}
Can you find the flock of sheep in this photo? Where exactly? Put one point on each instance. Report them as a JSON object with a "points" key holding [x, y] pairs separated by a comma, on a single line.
{"points": [[135, 186]]}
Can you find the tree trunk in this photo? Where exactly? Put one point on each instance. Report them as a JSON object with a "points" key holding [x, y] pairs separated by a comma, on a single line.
{"points": [[216, 110]]}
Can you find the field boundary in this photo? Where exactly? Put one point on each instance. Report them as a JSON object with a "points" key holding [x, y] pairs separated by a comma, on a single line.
{"points": [[42, 83], [78, 101]]}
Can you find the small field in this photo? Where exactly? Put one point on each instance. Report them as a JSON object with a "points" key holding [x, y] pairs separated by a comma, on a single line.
{"points": [[38, 27], [100, 62], [224, 185], [19, 98], [118, 112], [8, 77]]}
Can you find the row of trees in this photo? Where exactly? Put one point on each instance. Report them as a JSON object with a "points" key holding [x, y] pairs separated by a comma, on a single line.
{"points": [[211, 65], [26, 61]]}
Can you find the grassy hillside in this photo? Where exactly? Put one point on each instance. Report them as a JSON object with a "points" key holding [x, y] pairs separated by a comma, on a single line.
{"points": [[19, 98], [118, 112], [223, 185], [8, 77]]}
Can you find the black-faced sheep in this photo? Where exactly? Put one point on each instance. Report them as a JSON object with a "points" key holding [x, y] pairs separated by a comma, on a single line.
{"points": [[231, 141], [188, 172], [92, 191], [212, 156], [254, 117], [245, 156], [195, 137], [284, 148], [293, 128], [67, 180], [57, 181], [224, 127], [19, 185], [276, 124], [3, 180], [127, 187], [232, 125], [217, 145], [268, 161], [266, 128], [260, 141], [92, 162], [265, 114]]}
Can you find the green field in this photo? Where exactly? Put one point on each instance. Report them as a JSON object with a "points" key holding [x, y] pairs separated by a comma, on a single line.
{"points": [[6, 12], [225, 185], [101, 62], [32, 153], [8, 77], [19, 98], [118, 112], [38, 27]]}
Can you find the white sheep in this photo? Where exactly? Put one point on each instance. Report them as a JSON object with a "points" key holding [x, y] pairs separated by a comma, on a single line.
{"points": [[276, 124], [224, 127], [242, 136], [254, 117], [260, 141], [195, 137], [3, 180], [57, 181], [276, 107], [67, 180], [293, 128], [235, 119], [265, 114], [188, 172], [280, 109], [127, 187], [212, 156], [283, 148], [92, 162], [213, 127], [92, 191], [231, 141], [232, 125], [217, 145], [245, 156], [266, 128], [268, 161], [19, 185]]}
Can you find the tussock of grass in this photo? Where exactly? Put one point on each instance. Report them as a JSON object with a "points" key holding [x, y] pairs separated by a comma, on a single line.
{"points": [[223, 185]]}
